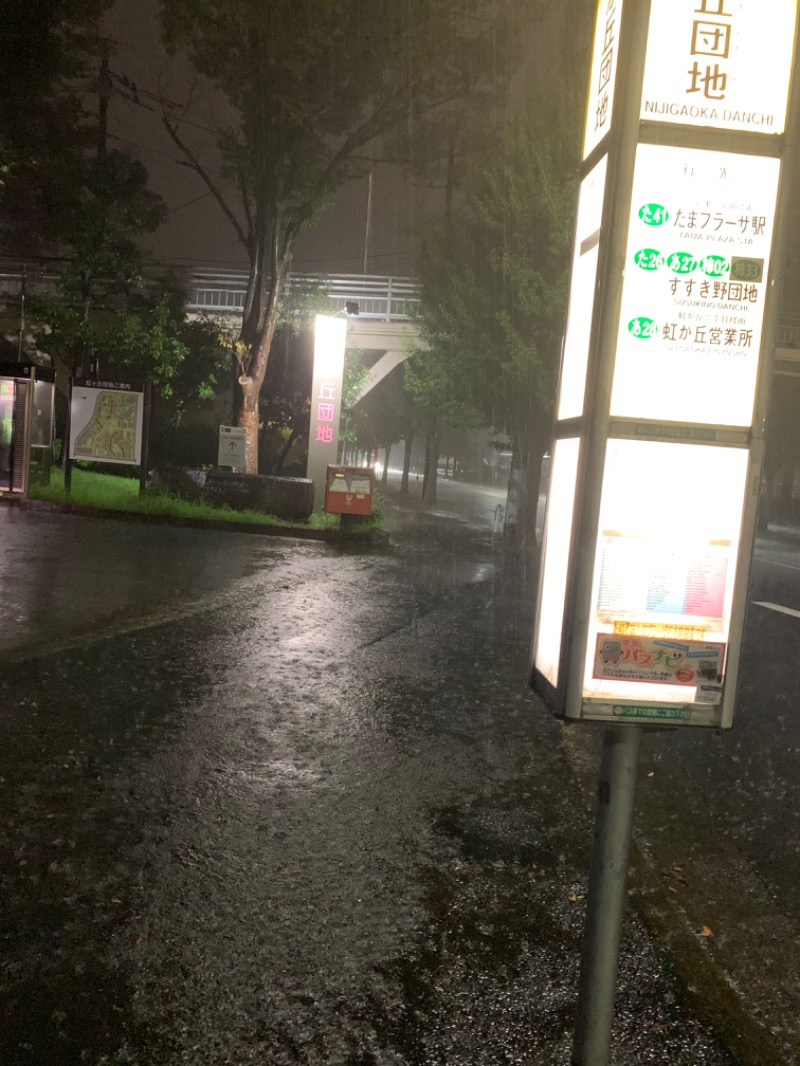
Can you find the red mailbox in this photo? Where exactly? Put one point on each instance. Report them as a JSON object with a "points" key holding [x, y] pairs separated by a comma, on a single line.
{"points": [[348, 490]]}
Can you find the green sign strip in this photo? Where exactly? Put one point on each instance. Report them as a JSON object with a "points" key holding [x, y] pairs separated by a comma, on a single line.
{"points": [[672, 714]]}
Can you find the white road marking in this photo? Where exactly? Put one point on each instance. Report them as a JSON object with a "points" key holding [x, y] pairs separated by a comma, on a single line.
{"points": [[777, 607], [772, 562]]}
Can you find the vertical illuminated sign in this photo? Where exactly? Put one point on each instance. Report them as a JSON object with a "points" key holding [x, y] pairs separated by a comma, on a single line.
{"points": [[658, 443], [602, 83], [330, 336]]}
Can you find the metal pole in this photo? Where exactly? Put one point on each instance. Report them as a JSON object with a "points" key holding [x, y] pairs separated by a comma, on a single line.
{"points": [[368, 229], [147, 403], [68, 444], [21, 341], [606, 902]]}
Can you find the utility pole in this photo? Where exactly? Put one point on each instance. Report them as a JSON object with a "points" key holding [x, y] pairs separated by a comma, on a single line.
{"points": [[368, 229], [21, 340]]}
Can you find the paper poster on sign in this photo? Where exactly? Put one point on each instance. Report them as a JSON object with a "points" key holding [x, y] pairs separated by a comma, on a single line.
{"points": [[660, 662], [645, 578]]}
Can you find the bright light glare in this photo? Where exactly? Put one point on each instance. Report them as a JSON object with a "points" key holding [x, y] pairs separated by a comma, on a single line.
{"points": [[330, 338], [726, 66], [555, 558], [695, 286], [581, 296], [670, 523]]}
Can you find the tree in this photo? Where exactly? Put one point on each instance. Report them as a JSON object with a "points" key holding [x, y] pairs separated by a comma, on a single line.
{"points": [[494, 280], [51, 50], [317, 85], [380, 419]]}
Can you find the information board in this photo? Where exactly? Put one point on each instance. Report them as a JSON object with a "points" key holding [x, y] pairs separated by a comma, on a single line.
{"points": [[232, 446], [694, 294], [106, 419]]}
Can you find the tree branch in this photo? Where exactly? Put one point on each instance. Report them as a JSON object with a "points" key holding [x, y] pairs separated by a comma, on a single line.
{"points": [[194, 163]]}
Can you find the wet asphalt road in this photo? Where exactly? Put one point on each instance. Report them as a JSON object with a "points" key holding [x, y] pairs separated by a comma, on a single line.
{"points": [[277, 802]]}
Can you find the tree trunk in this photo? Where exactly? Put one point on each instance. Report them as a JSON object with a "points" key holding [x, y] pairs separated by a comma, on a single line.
{"points": [[431, 465], [385, 475], [408, 441], [248, 420], [284, 452], [255, 341], [539, 438]]}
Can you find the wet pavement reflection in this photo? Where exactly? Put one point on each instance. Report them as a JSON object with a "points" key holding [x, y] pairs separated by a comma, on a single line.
{"points": [[278, 802]]}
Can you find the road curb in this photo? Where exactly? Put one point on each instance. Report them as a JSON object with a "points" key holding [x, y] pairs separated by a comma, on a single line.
{"points": [[717, 1003], [371, 538]]}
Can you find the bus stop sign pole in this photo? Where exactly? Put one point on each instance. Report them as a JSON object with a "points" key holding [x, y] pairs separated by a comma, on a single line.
{"points": [[608, 876]]}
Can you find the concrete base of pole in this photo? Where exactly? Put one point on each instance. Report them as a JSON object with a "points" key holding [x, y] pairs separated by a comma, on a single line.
{"points": [[606, 900]]}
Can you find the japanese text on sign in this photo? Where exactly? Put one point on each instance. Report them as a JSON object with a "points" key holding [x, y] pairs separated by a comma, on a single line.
{"points": [[711, 40], [325, 412], [719, 63], [604, 71], [699, 242], [662, 662]]}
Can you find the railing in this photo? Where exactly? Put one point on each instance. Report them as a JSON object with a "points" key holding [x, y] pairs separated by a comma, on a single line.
{"points": [[788, 332], [380, 298]]}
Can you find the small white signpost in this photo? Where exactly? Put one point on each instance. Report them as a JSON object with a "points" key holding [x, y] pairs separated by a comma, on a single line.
{"points": [[232, 446], [330, 339]]}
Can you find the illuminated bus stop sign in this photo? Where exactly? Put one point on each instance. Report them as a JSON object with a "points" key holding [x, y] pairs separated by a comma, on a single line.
{"points": [[658, 443]]}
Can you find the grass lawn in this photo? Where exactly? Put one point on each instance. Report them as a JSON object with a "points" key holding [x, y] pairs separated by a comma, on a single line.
{"points": [[112, 493]]}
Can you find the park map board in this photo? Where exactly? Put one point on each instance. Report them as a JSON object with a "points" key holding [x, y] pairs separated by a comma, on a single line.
{"points": [[106, 422]]}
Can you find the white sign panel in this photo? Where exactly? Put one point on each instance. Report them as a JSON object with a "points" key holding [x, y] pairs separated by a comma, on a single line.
{"points": [[723, 64], [695, 286], [106, 422], [581, 292], [668, 541], [558, 538], [330, 338], [605, 56], [232, 446]]}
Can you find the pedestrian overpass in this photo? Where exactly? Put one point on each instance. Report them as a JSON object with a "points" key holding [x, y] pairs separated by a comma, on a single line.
{"points": [[379, 309]]}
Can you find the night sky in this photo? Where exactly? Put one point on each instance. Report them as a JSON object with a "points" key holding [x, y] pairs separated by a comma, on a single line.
{"points": [[195, 232]]}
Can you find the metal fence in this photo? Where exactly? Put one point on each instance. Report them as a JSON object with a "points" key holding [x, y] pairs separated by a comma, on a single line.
{"points": [[377, 297]]}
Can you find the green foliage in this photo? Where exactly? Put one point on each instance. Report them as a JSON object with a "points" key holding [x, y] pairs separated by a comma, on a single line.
{"points": [[50, 49], [108, 211], [183, 358], [494, 282], [149, 337], [385, 414], [322, 89], [121, 493]]}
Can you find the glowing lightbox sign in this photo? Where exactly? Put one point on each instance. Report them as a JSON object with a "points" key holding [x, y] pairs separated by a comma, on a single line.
{"points": [[605, 56], [581, 293], [723, 64], [558, 536], [695, 285], [653, 496], [330, 338], [668, 542]]}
